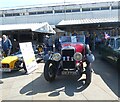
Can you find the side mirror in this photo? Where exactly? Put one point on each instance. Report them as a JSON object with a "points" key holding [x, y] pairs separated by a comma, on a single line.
{"points": [[109, 45], [36, 51]]}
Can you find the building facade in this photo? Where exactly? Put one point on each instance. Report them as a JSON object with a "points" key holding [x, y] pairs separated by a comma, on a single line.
{"points": [[53, 14]]}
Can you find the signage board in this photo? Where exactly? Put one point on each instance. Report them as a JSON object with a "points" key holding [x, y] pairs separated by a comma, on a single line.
{"points": [[28, 56]]}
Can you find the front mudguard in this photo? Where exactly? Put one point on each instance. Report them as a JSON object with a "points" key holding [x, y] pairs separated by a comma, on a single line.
{"points": [[47, 57]]}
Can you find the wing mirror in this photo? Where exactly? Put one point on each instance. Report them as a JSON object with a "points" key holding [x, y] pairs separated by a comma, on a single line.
{"points": [[109, 45]]}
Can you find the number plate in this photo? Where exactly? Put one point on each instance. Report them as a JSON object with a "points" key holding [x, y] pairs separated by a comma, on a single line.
{"points": [[5, 69], [69, 73]]}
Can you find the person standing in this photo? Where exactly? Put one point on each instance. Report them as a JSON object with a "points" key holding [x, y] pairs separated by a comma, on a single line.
{"points": [[57, 44], [0, 58], [6, 45], [0, 47], [87, 40], [74, 33], [50, 43], [45, 40]]}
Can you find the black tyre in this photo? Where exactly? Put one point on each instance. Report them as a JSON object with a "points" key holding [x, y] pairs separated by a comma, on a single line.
{"points": [[16, 66], [24, 67], [118, 64], [88, 75], [49, 71]]}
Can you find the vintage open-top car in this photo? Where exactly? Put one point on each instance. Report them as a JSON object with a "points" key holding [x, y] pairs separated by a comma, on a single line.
{"points": [[16, 62], [12, 62], [110, 50], [74, 52]]}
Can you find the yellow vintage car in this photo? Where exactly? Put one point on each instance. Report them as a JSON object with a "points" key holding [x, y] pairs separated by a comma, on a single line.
{"points": [[10, 63], [16, 62]]}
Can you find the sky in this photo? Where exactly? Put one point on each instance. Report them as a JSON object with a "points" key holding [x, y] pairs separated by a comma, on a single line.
{"points": [[19, 3]]}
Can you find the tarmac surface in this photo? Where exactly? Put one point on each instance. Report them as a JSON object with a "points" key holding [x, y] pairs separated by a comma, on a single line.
{"points": [[104, 85]]}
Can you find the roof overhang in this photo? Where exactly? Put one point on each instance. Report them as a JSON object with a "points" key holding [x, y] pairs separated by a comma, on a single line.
{"points": [[36, 27], [88, 23]]}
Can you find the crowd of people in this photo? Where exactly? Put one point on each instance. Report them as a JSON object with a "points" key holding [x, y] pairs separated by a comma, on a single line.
{"points": [[95, 40], [92, 40]]}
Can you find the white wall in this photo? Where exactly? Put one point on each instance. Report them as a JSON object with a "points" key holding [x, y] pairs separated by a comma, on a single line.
{"points": [[54, 19]]}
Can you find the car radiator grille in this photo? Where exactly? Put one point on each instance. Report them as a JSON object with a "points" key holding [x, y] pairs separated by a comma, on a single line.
{"points": [[5, 65], [67, 58]]}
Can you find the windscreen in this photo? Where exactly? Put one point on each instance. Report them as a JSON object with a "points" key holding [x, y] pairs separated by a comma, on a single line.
{"points": [[118, 43], [72, 39]]}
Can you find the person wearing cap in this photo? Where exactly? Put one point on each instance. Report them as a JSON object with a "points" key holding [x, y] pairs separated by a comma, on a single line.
{"points": [[6, 45]]}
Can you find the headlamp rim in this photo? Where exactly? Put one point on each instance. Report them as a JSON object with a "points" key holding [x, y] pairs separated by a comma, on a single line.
{"points": [[58, 58], [76, 55]]}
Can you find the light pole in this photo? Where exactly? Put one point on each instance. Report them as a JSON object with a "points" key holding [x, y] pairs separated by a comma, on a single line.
{"points": [[64, 11]]}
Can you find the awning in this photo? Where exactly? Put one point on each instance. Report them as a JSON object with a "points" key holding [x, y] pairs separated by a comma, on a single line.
{"points": [[36, 27], [87, 21], [59, 30]]}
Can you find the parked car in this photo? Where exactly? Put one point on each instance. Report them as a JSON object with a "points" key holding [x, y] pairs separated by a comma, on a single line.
{"points": [[12, 62], [110, 50], [16, 62], [69, 60]]}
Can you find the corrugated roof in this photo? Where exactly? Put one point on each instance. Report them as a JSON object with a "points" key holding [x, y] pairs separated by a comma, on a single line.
{"points": [[88, 21], [36, 27]]}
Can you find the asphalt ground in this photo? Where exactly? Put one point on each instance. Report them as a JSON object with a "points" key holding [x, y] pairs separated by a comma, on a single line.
{"points": [[104, 85]]}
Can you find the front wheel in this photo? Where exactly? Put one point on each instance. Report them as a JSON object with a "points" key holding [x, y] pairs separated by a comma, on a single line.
{"points": [[16, 66], [118, 64], [88, 75], [49, 71]]}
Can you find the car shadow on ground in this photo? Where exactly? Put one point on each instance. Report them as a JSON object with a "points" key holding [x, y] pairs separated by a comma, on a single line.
{"points": [[67, 84], [12, 74], [109, 74]]}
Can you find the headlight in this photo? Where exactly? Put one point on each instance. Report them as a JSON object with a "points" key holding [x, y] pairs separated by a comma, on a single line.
{"points": [[56, 56], [78, 56]]}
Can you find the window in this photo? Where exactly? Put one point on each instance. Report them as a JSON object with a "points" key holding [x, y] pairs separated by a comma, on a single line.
{"points": [[8, 15], [41, 12], [58, 11], [48, 12], [85, 9], [112, 43], [115, 7], [1, 15], [68, 10], [16, 14], [75, 10], [104, 8], [118, 43], [95, 9], [32, 13]]}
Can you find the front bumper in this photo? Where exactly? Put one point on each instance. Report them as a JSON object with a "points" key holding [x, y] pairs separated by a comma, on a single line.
{"points": [[5, 69]]}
